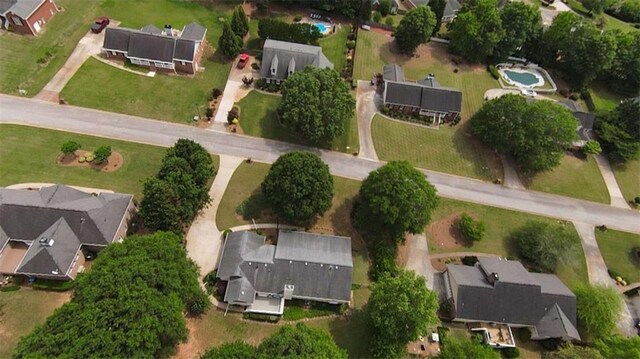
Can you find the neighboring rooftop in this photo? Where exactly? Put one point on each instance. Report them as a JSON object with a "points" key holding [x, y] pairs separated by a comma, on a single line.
{"points": [[286, 58], [22, 8]]}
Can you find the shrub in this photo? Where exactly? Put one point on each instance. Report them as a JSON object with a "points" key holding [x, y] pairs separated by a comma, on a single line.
{"points": [[637, 200], [469, 260], [388, 21], [297, 18], [351, 45], [494, 72], [81, 159], [89, 157], [10, 288], [273, 87], [574, 96], [233, 114], [377, 17], [53, 285], [471, 229], [261, 84], [592, 147], [208, 112], [255, 66], [70, 147], [216, 92], [102, 154], [511, 352], [210, 281]]}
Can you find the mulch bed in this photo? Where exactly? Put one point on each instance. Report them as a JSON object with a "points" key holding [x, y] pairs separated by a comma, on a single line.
{"points": [[112, 164]]}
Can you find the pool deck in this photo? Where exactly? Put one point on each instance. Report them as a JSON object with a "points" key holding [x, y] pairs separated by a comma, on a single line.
{"points": [[542, 75]]}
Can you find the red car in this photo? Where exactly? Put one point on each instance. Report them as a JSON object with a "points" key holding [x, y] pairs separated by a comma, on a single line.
{"points": [[99, 25], [244, 58]]}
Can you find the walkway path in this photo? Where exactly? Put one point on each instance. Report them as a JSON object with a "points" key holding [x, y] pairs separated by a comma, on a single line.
{"points": [[204, 240], [89, 45], [367, 101], [617, 199], [511, 178], [130, 128]]}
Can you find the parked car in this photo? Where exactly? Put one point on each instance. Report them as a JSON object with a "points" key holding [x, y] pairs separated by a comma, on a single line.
{"points": [[244, 58], [528, 93], [99, 25]]}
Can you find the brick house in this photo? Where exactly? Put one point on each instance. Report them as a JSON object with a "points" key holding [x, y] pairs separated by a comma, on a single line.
{"points": [[26, 16], [165, 50]]}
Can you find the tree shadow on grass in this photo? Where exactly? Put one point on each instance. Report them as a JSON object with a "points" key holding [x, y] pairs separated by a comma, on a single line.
{"points": [[352, 333], [486, 164]]}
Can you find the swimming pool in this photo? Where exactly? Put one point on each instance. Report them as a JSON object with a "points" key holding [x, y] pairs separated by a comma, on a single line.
{"points": [[527, 78], [322, 27]]}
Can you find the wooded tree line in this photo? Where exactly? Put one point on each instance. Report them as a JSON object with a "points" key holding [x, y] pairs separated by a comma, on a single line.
{"points": [[298, 32]]}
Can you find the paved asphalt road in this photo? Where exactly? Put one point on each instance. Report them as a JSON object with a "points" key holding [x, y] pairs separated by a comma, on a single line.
{"points": [[129, 128]]}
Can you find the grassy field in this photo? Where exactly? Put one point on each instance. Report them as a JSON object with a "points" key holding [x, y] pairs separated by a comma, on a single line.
{"points": [[616, 249], [335, 45], [499, 224], [19, 57], [574, 177], [169, 98], [22, 311], [258, 118], [610, 22], [446, 149], [29, 154], [627, 178], [604, 98]]}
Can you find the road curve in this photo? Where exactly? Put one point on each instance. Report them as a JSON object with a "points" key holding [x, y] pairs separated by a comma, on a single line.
{"points": [[136, 129]]}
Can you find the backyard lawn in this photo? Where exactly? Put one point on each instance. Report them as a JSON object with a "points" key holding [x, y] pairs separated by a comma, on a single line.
{"points": [[447, 149], [616, 248], [29, 155], [22, 311], [29, 62], [169, 98], [335, 45], [627, 178], [499, 224], [258, 118], [574, 177], [604, 98]]}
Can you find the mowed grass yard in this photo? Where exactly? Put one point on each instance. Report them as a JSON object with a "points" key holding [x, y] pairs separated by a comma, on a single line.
{"points": [[334, 46], [22, 311], [447, 149], [628, 178], [164, 97], [28, 154], [19, 66], [258, 118], [500, 223], [574, 177], [616, 248]]}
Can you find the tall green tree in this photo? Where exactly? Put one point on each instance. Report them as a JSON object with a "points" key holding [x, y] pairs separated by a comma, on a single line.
{"points": [[399, 310], [625, 69], [317, 104], [298, 186], [437, 7], [197, 157], [396, 198], [70, 147], [522, 25], [542, 244], [414, 29], [596, 6], [239, 22], [619, 131], [175, 172], [618, 347], [570, 351], [575, 46], [234, 350], [598, 310], [130, 305], [476, 30], [229, 43], [536, 134], [299, 341], [467, 348], [385, 7], [365, 10], [159, 206]]}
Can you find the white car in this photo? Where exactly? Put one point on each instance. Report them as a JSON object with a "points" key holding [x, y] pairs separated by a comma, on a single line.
{"points": [[528, 93]]}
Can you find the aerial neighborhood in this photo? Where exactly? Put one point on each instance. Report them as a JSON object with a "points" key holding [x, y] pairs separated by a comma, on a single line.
{"points": [[320, 179]]}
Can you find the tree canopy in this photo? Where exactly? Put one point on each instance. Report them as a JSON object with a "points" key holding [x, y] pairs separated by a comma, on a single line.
{"points": [[598, 309], [543, 244], [619, 131], [595, 6], [399, 310], [301, 33], [437, 7], [618, 347], [536, 134], [467, 348], [234, 350], [395, 198], [522, 25], [476, 30], [229, 43], [570, 351], [385, 7], [298, 186], [239, 22], [415, 28], [317, 104], [299, 341], [70, 147], [159, 206], [625, 69], [129, 305]]}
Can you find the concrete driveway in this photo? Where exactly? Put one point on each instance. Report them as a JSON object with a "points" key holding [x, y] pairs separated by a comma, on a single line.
{"points": [[234, 90], [89, 45], [367, 104]]}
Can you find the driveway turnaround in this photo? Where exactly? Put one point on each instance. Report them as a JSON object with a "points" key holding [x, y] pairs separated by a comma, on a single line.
{"points": [[31, 112]]}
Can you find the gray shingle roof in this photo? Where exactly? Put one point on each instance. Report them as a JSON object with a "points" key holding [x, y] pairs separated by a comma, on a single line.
{"points": [[438, 99], [151, 29], [151, 47], [517, 297], [6, 5], [284, 52], [194, 32], [22, 8], [185, 50], [117, 38], [68, 216], [451, 8], [429, 81], [393, 72], [555, 324], [319, 266]]}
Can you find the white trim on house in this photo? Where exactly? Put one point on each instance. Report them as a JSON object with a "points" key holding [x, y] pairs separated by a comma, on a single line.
{"points": [[38, 7], [73, 262]]}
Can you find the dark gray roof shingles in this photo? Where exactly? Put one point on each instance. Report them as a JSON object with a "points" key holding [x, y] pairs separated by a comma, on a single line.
{"points": [[151, 47], [303, 55], [193, 32]]}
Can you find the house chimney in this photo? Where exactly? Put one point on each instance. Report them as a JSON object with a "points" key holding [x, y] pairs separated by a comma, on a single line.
{"points": [[168, 30], [493, 278]]}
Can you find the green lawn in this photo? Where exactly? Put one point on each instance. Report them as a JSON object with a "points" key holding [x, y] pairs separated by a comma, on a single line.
{"points": [[164, 97], [29, 155], [19, 57], [22, 311], [616, 249], [258, 118], [335, 45], [447, 149], [628, 178], [604, 98], [499, 224], [574, 177], [610, 22]]}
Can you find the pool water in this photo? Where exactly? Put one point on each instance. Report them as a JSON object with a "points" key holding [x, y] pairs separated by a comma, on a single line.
{"points": [[322, 27], [524, 78]]}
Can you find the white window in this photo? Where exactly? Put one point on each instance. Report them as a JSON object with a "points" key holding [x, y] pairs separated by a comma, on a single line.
{"points": [[17, 20], [164, 65], [140, 62], [114, 53], [183, 63]]}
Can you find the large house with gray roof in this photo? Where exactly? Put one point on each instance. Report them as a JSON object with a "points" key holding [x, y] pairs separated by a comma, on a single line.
{"points": [[450, 12], [26, 17], [496, 295], [425, 97], [47, 233], [261, 276], [281, 59], [164, 49]]}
